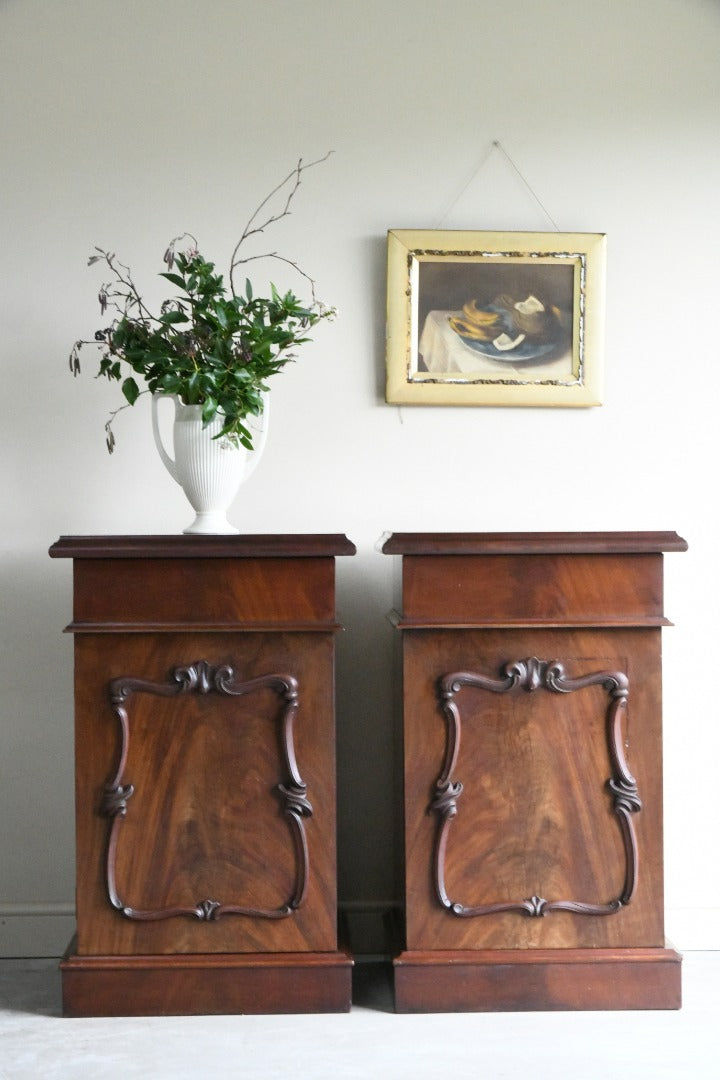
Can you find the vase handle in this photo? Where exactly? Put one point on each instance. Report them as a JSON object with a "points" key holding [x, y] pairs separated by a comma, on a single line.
{"points": [[166, 459]]}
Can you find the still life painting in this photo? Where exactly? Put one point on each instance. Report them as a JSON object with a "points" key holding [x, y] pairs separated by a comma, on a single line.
{"points": [[481, 318]]}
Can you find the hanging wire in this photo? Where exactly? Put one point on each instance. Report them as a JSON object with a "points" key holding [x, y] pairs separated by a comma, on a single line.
{"points": [[476, 169], [495, 145]]}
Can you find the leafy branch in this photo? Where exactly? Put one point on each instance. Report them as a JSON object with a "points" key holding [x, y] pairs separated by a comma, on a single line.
{"points": [[209, 347]]}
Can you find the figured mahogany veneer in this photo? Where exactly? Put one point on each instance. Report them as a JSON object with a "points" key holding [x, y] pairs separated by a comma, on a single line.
{"points": [[203, 679], [533, 771], [205, 776], [530, 675]]}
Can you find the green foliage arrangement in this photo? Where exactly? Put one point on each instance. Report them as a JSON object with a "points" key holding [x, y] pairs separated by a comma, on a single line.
{"points": [[211, 346]]}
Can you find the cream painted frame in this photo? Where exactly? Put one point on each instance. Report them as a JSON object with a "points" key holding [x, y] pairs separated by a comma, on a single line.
{"points": [[409, 250]]}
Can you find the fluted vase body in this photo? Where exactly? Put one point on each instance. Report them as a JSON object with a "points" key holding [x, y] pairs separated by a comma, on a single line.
{"points": [[210, 470]]}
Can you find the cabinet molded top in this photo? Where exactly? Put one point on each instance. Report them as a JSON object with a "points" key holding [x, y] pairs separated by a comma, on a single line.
{"points": [[532, 543], [295, 545]]}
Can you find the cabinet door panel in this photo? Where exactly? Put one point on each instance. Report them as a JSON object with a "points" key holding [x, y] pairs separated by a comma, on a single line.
{"points": [[206, 815], [523, 819]]}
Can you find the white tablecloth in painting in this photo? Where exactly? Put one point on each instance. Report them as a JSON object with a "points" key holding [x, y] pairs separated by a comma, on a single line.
{"points": [[443, 352]]}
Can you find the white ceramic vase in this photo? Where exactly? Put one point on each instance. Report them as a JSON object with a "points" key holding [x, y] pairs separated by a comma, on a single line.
{"points": [[210, 471]]}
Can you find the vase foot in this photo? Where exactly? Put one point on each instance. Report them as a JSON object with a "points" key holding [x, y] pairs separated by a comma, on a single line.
{"points": [[213, 523]]}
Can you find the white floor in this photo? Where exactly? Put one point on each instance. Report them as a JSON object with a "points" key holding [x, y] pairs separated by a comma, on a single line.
{"points": [[370, 1041]]}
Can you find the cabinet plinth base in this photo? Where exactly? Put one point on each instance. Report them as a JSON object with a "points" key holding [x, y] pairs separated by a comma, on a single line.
{"points": [[206, 984], [537, 980]]}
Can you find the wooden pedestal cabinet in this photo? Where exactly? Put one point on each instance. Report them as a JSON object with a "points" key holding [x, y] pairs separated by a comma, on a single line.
{"points": [[533, 772], [205, 776]]}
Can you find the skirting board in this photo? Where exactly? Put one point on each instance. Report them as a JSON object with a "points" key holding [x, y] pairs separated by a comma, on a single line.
{"points": [[693, 929], [30, 930]]}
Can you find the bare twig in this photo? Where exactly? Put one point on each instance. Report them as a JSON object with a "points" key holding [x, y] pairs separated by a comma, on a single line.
{"points": [[290, 262], [132, 295], [251, 229], [109, 434]]}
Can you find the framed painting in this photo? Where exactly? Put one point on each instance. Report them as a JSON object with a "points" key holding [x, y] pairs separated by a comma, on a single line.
{"points": [[491, 318]]}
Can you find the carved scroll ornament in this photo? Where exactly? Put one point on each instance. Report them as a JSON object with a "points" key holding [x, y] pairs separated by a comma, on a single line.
{"points": [[530, 675], [202, 678]]}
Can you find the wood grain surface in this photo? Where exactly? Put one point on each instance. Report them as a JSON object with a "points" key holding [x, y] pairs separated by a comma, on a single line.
{"points": [[205, 776], [205, 821], [532, 766]]}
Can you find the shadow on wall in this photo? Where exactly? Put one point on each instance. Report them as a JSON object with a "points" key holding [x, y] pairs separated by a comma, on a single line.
{"points": [[376, 253], [368, 725], [36, 733]]}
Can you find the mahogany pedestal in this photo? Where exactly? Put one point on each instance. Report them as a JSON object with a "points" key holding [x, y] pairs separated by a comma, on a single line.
{"points": [[205, 776], [533, 772]]}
